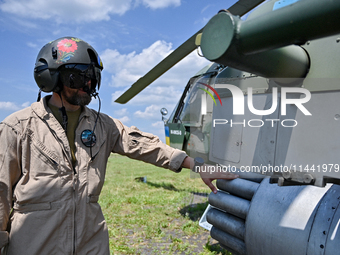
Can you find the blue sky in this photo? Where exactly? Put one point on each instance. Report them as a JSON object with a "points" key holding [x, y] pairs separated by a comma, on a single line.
{"points": [[131, 36]]}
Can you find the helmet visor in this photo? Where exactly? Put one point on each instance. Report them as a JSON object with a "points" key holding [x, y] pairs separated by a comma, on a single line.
{"points": [[77, 76]]}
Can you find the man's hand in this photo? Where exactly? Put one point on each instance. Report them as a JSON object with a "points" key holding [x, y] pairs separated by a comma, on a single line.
{"points": [[209, 173], [209, 179]]}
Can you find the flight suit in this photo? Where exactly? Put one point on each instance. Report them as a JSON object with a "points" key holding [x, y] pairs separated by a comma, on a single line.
{"points": [[55, 204]]}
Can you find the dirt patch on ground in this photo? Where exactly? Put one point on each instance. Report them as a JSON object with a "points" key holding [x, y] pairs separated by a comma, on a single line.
{"points": [[176, 241]]}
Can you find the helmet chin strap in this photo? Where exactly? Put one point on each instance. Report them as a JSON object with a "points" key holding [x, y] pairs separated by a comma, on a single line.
{"points": [[39, 95]]}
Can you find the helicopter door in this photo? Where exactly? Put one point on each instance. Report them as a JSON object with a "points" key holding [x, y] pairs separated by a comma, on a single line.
{"points": [[244, 140]]}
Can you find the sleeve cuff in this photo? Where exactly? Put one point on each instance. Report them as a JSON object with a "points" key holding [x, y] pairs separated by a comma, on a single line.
{"points": [[3, 238], [176, 160]]}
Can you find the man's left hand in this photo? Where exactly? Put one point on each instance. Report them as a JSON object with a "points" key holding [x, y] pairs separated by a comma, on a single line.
{"points": [[208, 176], [209, 179]]}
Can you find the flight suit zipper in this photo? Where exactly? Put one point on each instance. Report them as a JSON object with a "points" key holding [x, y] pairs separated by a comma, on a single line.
{"points": [[75, 179], [74, 212]]}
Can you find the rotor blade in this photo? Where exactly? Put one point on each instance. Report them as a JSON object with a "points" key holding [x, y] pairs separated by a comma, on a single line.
{"points": [[239, 8], [177, 55]]}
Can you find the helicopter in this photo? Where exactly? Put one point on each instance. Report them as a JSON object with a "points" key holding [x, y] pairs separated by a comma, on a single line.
{"points": [[267, 108]]}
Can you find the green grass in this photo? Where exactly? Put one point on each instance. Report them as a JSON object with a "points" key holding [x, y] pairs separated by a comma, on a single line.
{"points": [[157, 217]]}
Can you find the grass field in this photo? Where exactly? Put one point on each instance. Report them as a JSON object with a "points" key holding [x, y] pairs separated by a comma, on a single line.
{"points": [[159, 216]]}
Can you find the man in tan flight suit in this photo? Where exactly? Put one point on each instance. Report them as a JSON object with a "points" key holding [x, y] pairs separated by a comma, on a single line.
{"points": [[53, 158]]}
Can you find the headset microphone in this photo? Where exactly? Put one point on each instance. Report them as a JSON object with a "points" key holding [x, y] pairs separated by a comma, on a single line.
{"points": [[90, 92]]}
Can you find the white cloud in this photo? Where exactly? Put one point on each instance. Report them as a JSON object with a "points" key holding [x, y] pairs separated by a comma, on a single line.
{"points": [[26, 104], [32, 45], [23, 23], [156, 4], [128, 68], [121, 112], [158, 124], [205, 8], [9, 106], [124, 119], [64, 11], [151, 112], [158, 129]]}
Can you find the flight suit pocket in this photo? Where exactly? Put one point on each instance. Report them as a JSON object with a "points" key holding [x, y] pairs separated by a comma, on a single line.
{"points": [[38, 159], [139, 139]]}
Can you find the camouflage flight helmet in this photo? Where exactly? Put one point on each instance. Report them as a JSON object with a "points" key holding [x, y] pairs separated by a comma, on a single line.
{"points": [[70, 60]]}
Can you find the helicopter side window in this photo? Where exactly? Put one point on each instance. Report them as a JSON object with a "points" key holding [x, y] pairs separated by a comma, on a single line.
{"points": [[192, 109]]}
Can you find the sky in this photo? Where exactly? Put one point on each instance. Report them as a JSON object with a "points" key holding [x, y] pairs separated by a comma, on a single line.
{"points": [[131, 37]]}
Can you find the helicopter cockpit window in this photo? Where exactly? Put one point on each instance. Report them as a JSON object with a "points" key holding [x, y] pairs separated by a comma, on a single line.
{"points": [[194, 104]]}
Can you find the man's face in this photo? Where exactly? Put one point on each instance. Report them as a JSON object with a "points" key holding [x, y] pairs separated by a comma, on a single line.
{"points": [[76, 96]]}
